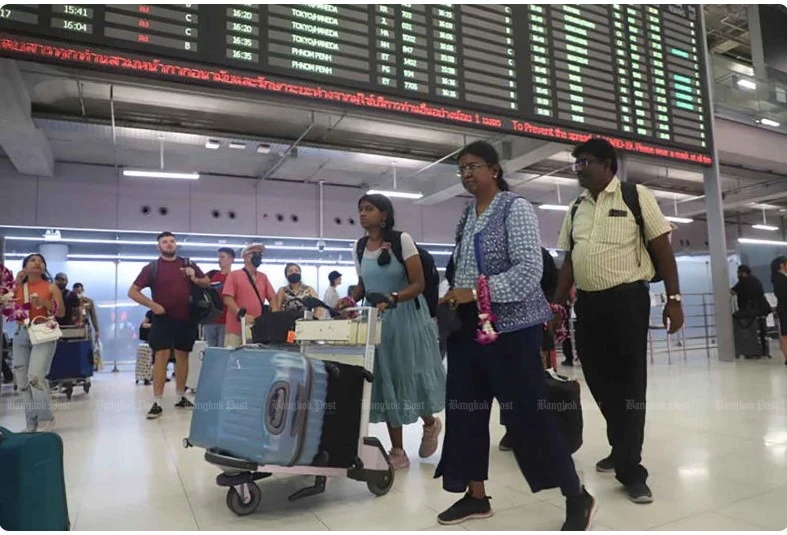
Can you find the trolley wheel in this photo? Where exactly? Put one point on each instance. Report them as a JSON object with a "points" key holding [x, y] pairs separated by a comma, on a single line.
{"points": [[380, 482], [69, 390], [86, 387], [238, 506]]}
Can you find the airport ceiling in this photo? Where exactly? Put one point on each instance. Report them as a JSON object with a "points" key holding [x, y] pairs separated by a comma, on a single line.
{"points": [[120, 122]]}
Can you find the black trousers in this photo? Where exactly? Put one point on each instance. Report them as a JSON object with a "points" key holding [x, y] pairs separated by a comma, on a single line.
{"points": [[511, 371], [611, 337]]}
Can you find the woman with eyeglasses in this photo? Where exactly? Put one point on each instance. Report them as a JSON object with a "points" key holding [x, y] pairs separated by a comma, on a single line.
{"points": [[495, 274]]}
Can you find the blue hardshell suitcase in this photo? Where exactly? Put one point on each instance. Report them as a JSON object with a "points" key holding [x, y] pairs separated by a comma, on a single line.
{"points": [[261, 405]]}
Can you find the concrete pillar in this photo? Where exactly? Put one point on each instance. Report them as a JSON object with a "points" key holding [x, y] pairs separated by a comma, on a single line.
{"points": [[755, 41], [717, 239]]}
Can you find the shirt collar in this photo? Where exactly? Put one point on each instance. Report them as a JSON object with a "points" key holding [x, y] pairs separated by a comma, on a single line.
{"points": [[612, 187]]}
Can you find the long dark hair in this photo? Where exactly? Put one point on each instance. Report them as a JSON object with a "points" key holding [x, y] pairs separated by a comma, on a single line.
{"points": [[486, 152], [45, 275], [387, 225], [775, 265]]}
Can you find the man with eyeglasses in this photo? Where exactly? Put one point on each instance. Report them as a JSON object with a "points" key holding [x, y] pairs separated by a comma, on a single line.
{"points": [[616, 240]]}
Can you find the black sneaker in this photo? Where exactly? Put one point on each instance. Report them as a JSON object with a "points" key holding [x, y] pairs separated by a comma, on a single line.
{"points": [[579, 512], [184, 404], [467, 508], [605, 465], [505, 443], [154, 412], [639, 493]]}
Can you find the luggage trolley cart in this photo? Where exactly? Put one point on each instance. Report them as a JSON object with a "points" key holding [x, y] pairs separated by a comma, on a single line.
{"points": [[350, 342]]}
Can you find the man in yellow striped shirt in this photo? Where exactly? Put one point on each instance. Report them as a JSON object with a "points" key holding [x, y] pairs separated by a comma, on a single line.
{"points": [[609, 258]]}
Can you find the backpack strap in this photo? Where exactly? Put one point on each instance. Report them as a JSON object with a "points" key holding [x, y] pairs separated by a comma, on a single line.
{"points": [[360, 247], [574, 208], [631, 198]]}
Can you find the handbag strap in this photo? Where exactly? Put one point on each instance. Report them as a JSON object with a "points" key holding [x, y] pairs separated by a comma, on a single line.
{"points": [[254, 286], [27, 293]]}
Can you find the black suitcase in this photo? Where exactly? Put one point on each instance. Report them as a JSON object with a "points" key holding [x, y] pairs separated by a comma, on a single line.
{"points": [[341, 425], [564, 400], [745, 331]]}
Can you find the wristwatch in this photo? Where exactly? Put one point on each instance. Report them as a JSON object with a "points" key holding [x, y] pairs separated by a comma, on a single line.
{"points": [[395, 296], [675, 298]]}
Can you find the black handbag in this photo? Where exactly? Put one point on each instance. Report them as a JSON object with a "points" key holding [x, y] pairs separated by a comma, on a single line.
{"points": [[563, 399], [273, 327]]}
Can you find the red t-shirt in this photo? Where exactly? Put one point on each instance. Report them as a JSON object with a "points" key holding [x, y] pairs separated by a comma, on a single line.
{"points": [[217, 282], [172, 288], [239, 287]]}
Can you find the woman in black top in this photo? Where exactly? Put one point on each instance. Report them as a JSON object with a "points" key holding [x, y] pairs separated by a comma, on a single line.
{"points": [[779, 280]]}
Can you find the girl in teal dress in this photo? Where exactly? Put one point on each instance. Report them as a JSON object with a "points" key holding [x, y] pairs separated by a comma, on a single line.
{"points": [[409, 378]]}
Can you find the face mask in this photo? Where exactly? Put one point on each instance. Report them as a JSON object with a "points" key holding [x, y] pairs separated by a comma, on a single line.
{"points": [[256, 260], [294, 278]]}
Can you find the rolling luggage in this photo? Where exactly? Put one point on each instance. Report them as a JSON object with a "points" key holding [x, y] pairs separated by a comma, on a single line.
{"points": [[32, 484], [260, 405], [143, 370], [72, 360], [746, 335], [195, 364]]}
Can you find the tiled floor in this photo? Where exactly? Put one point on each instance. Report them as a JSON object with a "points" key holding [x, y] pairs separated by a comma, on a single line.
{"points": [[716, 448]]}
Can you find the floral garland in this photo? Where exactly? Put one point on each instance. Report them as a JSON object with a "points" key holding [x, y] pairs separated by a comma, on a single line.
{"points": [[486, 334], [561, 333], [9, 309]]}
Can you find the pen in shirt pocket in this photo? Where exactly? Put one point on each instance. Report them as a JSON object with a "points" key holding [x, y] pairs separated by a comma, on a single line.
{"points": [[617, 213]]}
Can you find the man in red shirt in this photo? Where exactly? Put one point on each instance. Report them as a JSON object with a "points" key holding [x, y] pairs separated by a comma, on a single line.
{"points": [[170, 279], [241, 298], [214, 332]]}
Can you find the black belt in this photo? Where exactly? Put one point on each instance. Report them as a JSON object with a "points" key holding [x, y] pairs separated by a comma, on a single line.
{"points": [[619, 288]]}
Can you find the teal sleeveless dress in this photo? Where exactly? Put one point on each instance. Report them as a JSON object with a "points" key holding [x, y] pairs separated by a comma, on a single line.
{"points": [[409, 378]]}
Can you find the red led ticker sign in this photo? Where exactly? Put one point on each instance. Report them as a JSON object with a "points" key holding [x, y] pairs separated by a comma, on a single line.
{"points": [[222, 77]]}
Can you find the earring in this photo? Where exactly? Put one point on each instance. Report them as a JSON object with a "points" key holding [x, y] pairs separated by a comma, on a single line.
{"points": [[383, 224]]}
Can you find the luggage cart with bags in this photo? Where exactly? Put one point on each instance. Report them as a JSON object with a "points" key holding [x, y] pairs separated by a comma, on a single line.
{"points": [[259, 410]]}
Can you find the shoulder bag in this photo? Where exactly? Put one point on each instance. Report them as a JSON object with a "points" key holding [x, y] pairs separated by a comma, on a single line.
{"points": [[41, 330]]}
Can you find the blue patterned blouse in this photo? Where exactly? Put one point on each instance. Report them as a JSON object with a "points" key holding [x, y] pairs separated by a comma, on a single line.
{"points": [[524, 249]]}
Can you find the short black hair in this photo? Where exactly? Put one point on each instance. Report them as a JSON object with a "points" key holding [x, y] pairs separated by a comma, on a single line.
{"points": [[228, 250], [165, 234], [599, 148], [78, 285], [744, 269], [489, 154]]}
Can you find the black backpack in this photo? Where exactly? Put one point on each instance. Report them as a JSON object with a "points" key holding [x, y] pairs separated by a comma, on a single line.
{"points": [[431, 276], [206, 304], [631, 198]]}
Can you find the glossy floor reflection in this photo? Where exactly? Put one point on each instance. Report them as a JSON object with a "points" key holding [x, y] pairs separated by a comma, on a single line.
{"points": [[716, 447]]}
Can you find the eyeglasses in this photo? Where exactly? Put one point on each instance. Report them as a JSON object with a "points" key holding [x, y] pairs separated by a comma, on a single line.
{"points": [[469, 169], [581, 164]]}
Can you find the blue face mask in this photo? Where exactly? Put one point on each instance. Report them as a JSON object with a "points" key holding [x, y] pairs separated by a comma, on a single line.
{"points": [[256, 260]]}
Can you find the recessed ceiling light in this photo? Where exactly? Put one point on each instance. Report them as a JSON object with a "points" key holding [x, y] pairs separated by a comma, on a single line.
{"points": [[263, 149], [768, 122], [212, 144], [237, 145]]}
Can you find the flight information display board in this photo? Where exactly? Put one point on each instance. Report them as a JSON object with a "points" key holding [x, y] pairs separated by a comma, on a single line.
{"points": [[633, 73]]}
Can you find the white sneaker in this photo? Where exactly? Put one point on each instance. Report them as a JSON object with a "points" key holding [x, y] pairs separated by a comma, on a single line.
{"points": [[47, 426], [398, 459]]}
